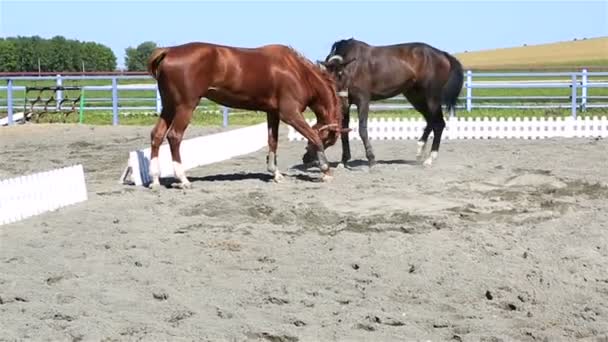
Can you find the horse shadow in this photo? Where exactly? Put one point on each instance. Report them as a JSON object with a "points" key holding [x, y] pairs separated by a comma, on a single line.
{"points": [[171, 182], [309, 174], [355, 163]]}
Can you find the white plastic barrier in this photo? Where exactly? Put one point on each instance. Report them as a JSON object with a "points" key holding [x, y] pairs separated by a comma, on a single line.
{"points": [[17, 117], [480, 128], [196, 152], [34, 194]]}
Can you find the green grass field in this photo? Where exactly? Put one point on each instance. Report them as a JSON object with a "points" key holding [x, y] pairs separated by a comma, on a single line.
{"points": [[251, 118]]}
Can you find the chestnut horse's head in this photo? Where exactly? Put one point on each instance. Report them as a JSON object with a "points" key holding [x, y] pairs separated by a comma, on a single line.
{"points": [[336, 80], [329, 128]]}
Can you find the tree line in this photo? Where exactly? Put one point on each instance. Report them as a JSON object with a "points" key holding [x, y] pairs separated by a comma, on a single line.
{"points": [[57, 54]]}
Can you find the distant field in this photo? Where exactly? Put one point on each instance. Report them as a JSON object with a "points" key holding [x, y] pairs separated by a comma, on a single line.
{"points": [[590, 53]]}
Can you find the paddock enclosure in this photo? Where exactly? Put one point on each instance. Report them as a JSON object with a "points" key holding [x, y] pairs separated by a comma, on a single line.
{"points": [[501, 240]]}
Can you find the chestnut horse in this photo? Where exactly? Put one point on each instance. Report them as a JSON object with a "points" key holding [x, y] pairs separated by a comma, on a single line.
{"points": [[425, 75], [274, 79]]}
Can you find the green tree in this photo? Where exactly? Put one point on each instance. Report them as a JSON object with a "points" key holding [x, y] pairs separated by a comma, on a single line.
{"points": [[56, 54], [136, 58], [106, 60], [9, 57]]}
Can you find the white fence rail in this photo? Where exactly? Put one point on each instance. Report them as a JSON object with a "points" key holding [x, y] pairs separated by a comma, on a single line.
{"points": [[30, 195], [480, 128]]}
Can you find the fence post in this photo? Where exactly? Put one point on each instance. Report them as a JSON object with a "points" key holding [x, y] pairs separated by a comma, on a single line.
{"points": [[574, 89], [225, 114], [9, 101], [114, 101], [59, 83], [584, 91], [158, 100], [469, 90]]}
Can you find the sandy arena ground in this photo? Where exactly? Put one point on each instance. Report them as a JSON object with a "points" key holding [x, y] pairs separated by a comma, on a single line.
{"points": [[502, 240]]}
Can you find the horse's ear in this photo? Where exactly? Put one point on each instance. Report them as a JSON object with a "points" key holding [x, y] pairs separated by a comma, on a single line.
{"points": [[321, 65]]}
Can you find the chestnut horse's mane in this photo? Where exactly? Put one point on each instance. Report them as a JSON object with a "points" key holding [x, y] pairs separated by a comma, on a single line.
{"points": [[323, 74]]}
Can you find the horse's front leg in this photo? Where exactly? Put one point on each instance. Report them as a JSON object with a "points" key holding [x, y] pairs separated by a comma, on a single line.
{"points": [[175, 136], [272, 120], [344, 135], [157, 135], [363, 110]]}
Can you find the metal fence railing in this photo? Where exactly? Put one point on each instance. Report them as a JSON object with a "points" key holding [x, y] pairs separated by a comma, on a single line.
{"points": [[577, 91]]}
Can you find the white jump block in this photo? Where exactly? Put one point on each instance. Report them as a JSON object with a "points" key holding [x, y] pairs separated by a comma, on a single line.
{"points": [[17, 117], [195, 152], [34, 194]]}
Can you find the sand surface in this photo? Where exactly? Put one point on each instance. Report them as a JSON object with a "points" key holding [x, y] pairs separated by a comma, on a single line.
{"points": [[501, 240]]}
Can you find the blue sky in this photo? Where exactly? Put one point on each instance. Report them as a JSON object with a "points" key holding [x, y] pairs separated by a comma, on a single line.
{"points": [[309, 26]]}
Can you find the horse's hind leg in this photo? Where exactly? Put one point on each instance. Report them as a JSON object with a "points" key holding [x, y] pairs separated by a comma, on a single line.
{"points": [[420, 104], [157, 135], [273, 121], [175, 135], [438, 124]]}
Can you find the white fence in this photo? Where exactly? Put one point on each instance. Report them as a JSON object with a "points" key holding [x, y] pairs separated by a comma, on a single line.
{"points": [[195, 152], [480, 128], [33, 194]]}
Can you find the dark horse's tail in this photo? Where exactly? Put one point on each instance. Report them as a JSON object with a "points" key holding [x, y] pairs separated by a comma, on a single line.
{"points": [[154, 61], [451, 90]]}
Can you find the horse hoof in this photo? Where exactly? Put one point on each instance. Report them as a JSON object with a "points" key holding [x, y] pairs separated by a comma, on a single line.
{"points": [[428, 162], [278, 178], [184, 185], [154, 187], [341, 165], [327, 178]]}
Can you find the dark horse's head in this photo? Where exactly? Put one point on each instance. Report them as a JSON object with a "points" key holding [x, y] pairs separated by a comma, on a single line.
{"points": [[342, 54]]}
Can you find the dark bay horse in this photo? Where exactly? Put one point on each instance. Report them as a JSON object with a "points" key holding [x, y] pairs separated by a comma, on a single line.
{"points": [[425, 75], [274, 79]]}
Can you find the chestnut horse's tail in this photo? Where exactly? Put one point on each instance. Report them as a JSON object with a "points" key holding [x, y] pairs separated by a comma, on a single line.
{"points": [[452, 88], [154, 61]]}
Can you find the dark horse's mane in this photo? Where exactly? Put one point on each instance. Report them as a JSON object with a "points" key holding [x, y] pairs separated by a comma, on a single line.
{"points": [[343, 43]]}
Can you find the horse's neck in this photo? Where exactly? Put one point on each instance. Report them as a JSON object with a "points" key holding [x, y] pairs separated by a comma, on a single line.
{"points": [[324, 107]]}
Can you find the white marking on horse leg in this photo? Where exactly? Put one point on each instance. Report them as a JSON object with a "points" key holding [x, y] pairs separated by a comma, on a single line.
{"points": [[181, 174], [420, 149], [429, 161], [278, 177], [154, 172], [327, 177]]}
